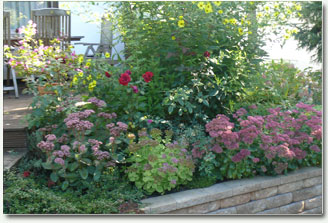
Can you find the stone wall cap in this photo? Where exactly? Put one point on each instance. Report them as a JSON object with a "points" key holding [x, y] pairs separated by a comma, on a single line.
{"points": [[183, 199]]}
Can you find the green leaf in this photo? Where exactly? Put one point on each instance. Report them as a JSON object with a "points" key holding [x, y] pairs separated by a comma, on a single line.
{"points": [[84, 173], [47, 166], [214, 92], [65, 185], [54, 176], [205, 102], [96, 175], [73, 166], [87, 161], [180, 112], [171, 109]]}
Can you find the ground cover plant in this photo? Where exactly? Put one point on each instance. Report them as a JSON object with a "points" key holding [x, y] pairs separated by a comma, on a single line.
{"points": [[192, 104]]}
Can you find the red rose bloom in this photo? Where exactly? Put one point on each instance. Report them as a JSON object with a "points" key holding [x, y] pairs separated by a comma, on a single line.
{"points": [[107, 74], [26, 174], [207, 54], [124, 79], [147, 76]]}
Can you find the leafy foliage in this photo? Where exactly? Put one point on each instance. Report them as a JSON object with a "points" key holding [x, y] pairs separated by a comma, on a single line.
{"points": [[157, 164], [310, 29]]}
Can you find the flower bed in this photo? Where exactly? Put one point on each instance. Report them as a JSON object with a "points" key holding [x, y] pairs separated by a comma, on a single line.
{"points": [[189, 107]]}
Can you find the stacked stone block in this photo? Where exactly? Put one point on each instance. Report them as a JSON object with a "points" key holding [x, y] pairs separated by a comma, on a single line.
{"points": [[299, 192]]}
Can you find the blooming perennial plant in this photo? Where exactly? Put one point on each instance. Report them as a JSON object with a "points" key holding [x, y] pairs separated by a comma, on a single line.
{"points": [[78, 156], [270, 144]]}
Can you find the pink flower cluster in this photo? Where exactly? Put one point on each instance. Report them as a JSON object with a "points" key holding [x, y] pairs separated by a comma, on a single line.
{"points": [[115, 131], [99, 103], [107, 115], [243, 153], [280, 134], [220, 128], [73, 121], [100, 155], [48, 145], [63, 152]]}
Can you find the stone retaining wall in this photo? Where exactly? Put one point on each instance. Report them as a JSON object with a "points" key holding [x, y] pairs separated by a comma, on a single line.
{"points": [[299, 192]]}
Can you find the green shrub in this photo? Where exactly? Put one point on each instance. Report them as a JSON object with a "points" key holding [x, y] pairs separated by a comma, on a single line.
{"points": [[27, 195], [158, 164]]}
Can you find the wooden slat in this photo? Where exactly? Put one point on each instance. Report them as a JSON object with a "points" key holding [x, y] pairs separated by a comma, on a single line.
{"points": [[14, 139]]}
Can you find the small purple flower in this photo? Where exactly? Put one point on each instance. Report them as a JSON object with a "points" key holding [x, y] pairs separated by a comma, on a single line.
{"points": [[149, 121], [164, 156], [50, 137], [82, 148], [59, 161], [183, 150], [135, 89], [256, 160], [174, 160], [173, 181]]}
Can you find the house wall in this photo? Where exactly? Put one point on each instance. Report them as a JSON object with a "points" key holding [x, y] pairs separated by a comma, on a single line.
{"points": [[299, 192]]}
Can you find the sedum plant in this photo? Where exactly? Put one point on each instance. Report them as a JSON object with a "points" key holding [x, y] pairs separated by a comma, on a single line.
{"points": [[157, 163], [85, 148]]}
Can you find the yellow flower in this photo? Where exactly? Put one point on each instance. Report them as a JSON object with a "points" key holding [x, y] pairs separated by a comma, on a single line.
{"points": [[289, 11], [259, 15], [233, 21], [181, 23], [225, 21], [88, 64], [250, 32], [298, 7], [276, 6], [107, 55], [173, 38], [80, 74], [92, 85], [249, 22], [220, 11], [252, 3], [81, 59], [286, 36], [294, 30], [217, 3], [208, 8], [240, 30], [201, 5], [180, 17], [89, 78], [276, 14], [266, 8], [83, 82], [75, 80]]}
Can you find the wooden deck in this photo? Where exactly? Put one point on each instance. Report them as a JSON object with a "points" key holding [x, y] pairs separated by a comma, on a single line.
{"points": [[14, 127]]}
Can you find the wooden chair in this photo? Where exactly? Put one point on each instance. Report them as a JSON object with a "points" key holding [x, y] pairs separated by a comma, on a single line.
{"points": [[105, 45], [6, 41], [53, 23]]}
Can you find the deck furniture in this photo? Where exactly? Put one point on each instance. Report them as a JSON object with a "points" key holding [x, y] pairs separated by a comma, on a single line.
{"points": [[53, 23]]}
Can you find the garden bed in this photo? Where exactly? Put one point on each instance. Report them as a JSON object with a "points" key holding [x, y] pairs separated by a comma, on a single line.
{"points": [[299, 192]]}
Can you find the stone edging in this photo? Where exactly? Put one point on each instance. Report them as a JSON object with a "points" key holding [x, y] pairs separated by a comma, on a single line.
{"points": [[245, 194]]}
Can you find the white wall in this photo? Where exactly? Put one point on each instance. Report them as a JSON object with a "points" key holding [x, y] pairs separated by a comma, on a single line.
{"points": [[299, 57], [90, 30]]}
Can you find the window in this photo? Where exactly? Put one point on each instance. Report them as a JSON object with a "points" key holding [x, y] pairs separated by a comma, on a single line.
{"points": [[20, 12]]}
